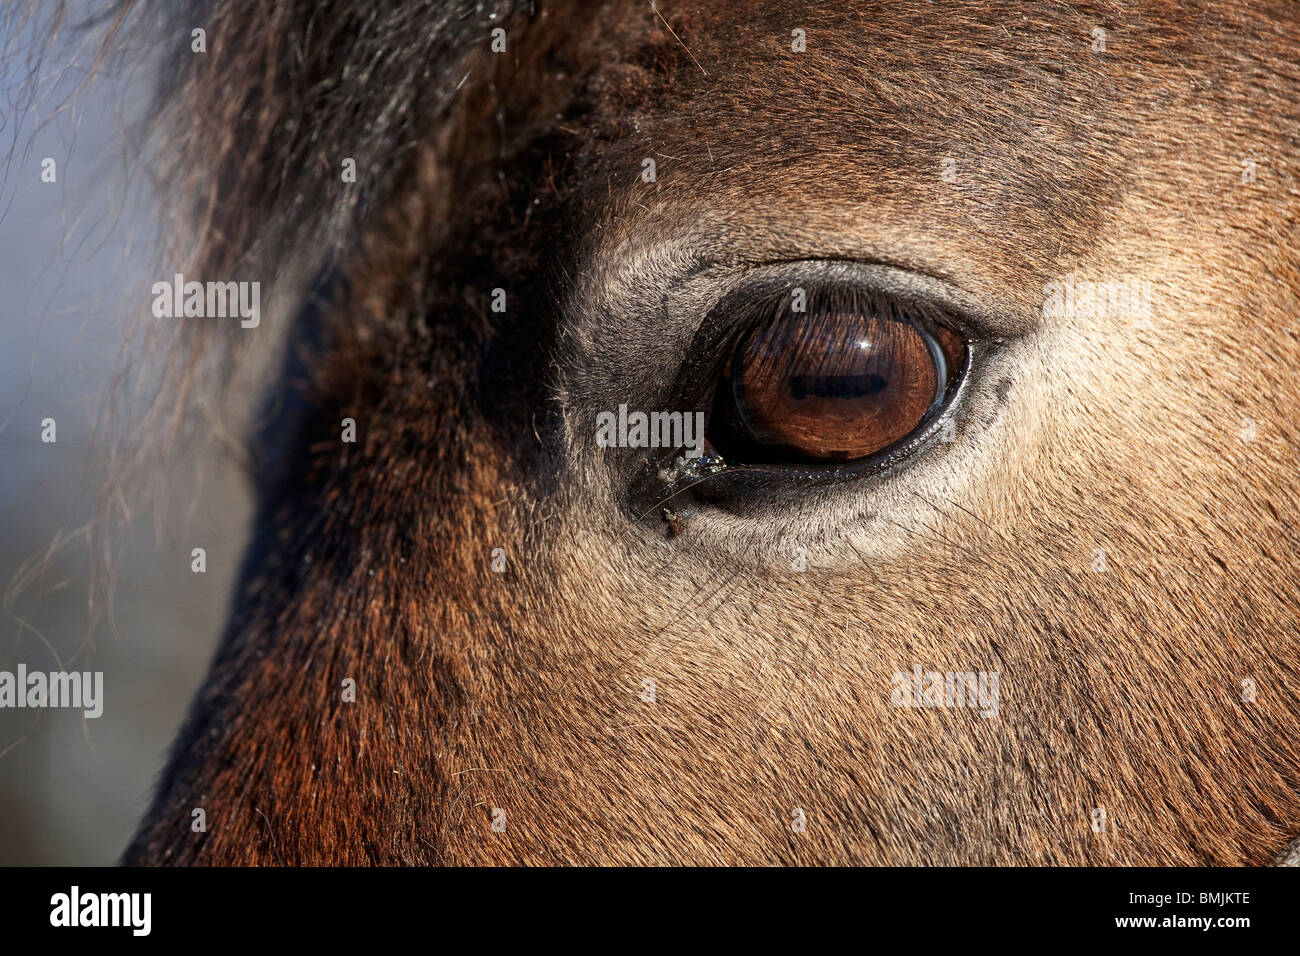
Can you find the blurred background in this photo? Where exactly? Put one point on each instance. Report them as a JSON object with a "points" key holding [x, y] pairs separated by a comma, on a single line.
{"points": [[76, 264]]}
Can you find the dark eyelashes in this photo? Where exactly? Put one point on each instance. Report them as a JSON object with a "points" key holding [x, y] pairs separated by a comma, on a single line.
{"points": [[737, 314], [739, 485]]}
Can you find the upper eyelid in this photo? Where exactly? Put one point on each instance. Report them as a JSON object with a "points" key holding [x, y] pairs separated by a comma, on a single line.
{"points": [[714, 336], [977, 318], [693, 309], [707, 324]]}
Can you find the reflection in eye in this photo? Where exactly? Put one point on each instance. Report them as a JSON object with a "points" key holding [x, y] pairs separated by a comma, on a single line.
{"points": [[843, 381]]}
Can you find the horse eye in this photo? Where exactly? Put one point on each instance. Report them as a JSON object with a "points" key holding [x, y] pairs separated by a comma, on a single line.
{"points": [[836, 385]]}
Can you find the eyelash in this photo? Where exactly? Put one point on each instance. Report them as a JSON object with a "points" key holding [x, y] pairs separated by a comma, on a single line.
{"points": [[713, 347]]}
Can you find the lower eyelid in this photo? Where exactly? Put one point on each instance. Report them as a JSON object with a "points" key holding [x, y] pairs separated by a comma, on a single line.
{"points": [[689, 306], [890, 458], [772, 489], [802, 501]]}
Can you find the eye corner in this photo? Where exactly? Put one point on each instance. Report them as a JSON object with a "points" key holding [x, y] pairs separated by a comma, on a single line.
{"points": [[752, 486]]}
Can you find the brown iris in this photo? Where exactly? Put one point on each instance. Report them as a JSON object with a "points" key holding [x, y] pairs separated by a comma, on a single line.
{"points": [[838, 385]]}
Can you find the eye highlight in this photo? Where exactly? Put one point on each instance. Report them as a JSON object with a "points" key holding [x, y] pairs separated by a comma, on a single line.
{"points": [[842, 382]]}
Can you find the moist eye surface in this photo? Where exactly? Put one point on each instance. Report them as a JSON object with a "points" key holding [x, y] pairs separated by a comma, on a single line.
{"points": [[844, 380]]}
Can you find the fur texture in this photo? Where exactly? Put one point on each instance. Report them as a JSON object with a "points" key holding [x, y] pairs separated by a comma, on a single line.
{"points": [[522, 691]]}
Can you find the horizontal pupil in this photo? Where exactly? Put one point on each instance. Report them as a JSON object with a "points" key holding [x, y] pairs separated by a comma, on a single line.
{"points": [[835, 386]]}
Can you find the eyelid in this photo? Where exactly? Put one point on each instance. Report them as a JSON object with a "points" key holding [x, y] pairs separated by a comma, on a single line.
{"points": [[730, 315], [888, 459], [719, 324], [969, 314]]}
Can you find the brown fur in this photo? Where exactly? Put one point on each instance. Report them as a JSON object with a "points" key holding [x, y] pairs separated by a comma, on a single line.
{"points": [[522, 691]]}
